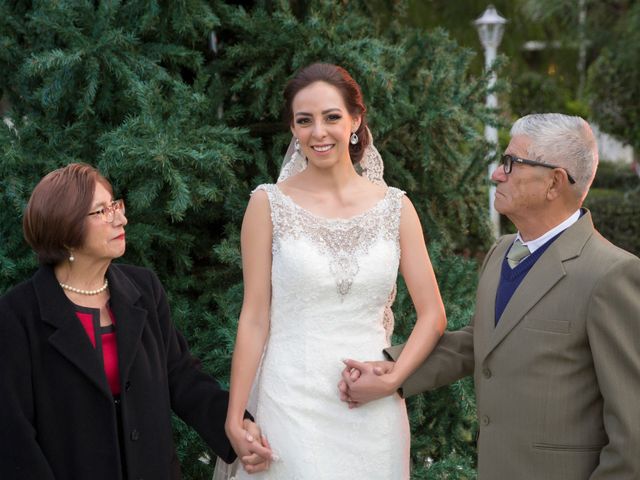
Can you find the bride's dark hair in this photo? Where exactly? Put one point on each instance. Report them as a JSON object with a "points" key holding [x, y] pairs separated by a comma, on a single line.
{"points": [[339, 78]]}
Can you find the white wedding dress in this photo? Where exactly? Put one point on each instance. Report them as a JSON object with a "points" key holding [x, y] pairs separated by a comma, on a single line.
{"points": [[332, 284]]}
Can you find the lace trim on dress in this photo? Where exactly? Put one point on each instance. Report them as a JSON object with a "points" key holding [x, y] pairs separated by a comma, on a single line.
{"points": [[388, 319], [343, 241]]}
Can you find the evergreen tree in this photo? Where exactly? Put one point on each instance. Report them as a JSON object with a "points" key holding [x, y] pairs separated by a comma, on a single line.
{"points": [[614, 80], [185, 132]]}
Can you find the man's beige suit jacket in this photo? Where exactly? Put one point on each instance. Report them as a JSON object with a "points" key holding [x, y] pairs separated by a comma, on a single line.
{"points": [[558, 379]]}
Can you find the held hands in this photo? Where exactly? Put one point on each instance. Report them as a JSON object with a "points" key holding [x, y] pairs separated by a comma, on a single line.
{"points": [[363, 382], [250, 445]]}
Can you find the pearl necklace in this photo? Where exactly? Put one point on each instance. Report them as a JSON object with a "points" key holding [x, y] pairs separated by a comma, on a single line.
{"points": [[86, 292]]}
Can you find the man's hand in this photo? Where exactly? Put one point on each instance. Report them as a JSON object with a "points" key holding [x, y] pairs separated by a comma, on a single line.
{"points": [[363, 382], [251, 446]]}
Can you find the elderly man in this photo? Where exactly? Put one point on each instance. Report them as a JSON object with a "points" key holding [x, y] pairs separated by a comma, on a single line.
{"points": [[554, 345]]}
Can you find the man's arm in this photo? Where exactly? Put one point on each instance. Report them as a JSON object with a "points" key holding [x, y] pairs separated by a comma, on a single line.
{"points": [[613, 327], [451, 360]]}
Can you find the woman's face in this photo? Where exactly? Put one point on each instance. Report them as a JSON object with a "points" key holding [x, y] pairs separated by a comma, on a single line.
{"points": [[103, 240], [322, 124]]}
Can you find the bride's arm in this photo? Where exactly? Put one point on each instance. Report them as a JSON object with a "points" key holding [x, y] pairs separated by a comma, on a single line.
{"points": [[415, 266], [431, 320], [253, 324]]}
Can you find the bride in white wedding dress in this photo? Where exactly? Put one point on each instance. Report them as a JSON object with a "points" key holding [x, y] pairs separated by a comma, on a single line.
{"points": [[321, 252]]}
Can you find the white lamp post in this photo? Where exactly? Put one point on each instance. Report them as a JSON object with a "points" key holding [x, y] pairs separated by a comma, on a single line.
{"points": [[490, 28]]}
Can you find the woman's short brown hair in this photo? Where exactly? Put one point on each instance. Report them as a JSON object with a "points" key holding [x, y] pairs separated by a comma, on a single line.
{"points": [[351, 93], [55, 218]]}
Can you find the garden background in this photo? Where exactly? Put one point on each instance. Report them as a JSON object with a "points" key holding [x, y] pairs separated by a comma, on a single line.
{"points": [[179, 104]]}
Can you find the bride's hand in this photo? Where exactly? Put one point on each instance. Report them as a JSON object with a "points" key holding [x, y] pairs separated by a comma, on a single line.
{"points": [[255, 463], [364, 382], [250, 445]]}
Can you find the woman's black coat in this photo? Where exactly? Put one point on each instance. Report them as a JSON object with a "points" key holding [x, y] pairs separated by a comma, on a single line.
{"points": [[57, 415]]}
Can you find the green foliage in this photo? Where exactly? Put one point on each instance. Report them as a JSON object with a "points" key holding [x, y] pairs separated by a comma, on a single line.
{"points": [[614, 201], [534, 92], [537, 93], [443, 422], [615, 176], [616, 215], [550, 76], [185, 134], [614, 81]]}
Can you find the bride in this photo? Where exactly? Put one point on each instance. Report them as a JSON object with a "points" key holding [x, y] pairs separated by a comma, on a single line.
{"points": [[320, 253]]}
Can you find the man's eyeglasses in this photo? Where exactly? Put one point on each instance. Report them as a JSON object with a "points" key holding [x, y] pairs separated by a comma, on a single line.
{"points": [[509, 160], [108, 213]]}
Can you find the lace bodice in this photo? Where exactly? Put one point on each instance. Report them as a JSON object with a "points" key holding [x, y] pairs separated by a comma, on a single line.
{"points": [[342, 241]]}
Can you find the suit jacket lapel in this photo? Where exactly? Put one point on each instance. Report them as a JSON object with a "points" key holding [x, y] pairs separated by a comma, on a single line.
{"points": [[484, 328], [69, 338], [542, 277], [546, 272], [130, 319]]}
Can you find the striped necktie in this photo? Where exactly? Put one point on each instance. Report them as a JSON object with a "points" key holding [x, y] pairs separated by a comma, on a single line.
{"points": [[517, 252]]}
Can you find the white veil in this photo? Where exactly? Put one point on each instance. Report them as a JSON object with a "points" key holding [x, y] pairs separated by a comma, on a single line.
{"points": [[370, 165]]}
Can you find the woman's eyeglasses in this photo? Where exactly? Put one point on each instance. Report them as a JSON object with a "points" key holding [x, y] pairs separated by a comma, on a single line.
{"points": [[108, 213]]}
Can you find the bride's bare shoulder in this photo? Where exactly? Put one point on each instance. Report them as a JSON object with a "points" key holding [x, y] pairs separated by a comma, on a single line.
{"points": [[372, 190], [293, 185]]}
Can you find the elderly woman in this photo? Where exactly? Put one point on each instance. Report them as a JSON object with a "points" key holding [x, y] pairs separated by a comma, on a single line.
{"points": [[90, 363]]}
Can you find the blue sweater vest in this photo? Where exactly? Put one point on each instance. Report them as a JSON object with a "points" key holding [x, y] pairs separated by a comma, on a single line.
{"points": [[510, 278]]}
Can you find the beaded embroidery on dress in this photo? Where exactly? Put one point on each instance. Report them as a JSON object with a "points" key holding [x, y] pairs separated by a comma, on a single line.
{"points": [[332, 280], [343, 241]]}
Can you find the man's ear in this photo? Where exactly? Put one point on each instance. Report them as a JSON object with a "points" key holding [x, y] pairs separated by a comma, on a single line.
{"points": [[559, 182]]}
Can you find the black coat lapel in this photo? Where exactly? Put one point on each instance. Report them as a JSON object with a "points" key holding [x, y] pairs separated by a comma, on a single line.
{"points": [[69, 338], [130, 318]]}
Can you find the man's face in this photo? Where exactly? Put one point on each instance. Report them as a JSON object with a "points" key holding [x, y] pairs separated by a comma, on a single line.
{"points": [[522, 193]]}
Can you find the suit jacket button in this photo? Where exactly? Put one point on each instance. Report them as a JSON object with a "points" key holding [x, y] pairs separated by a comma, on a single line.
{"points": [[135, 435], [484, 420], [486, 373]]}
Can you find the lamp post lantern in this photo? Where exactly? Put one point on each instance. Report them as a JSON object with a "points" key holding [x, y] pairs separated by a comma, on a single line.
{"points": [[490, 28]]}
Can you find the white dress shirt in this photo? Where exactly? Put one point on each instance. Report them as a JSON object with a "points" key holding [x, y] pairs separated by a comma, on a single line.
{"points": [[536, 243]]}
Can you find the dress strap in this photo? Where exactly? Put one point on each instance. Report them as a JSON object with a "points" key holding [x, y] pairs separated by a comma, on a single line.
{"points": [[278, 205], [270, 188], [394, 197]]}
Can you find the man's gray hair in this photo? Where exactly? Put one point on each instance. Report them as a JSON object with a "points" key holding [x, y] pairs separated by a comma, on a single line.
{"points": [[562, 140]]}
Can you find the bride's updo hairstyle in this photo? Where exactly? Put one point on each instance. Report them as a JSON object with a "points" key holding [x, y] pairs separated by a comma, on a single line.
{"points": [[339, 78]]}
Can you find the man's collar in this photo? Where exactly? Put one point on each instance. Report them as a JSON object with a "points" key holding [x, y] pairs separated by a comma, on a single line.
{"points": [[536, 243]]}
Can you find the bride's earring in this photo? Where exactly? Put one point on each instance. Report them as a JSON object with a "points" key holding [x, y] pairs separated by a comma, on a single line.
{"points": [[71, 257], [354, 138], [296, 145]]}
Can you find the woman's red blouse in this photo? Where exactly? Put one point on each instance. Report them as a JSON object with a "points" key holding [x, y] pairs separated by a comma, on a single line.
{"points": [[103, 340]]}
